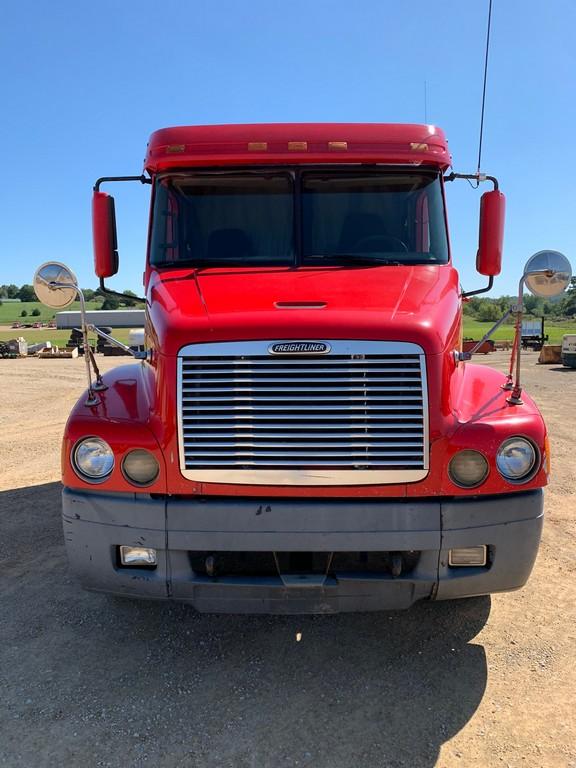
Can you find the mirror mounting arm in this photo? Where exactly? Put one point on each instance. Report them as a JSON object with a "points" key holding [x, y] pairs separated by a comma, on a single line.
{"points": [[466, 294], [478, 177], [142, 179], [515, 397], [92, 398], [109, 292], [112, 340], [463, 356]]}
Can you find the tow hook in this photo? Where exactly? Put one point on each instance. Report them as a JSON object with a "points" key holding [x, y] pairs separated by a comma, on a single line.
{"points": [[396, 564], [209, 564]]}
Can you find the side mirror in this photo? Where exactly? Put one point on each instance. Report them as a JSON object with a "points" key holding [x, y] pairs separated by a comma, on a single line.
{"points": [[491, 235], [547, 274], [55, 285], [104, 233]]}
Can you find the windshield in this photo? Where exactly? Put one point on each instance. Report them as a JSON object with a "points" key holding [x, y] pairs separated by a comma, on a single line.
{"points": [[291, 217]]}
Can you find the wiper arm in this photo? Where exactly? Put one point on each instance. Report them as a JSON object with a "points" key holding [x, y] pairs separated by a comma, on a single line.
{"points": [[364, 258]]}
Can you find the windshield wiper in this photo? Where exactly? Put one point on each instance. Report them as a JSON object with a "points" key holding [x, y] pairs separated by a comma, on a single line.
{"points": [[364, 258]]}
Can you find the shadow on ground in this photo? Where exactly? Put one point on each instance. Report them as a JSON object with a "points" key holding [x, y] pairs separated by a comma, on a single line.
{"points": [[103, 681]]}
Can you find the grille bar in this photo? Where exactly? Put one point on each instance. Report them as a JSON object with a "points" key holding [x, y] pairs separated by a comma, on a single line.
{"points": [[255, 406], [277, 363], [384, 419], [361, 411], [234, 436], [297, 464]]}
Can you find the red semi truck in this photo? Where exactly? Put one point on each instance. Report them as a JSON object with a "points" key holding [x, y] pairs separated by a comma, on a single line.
{"points": [[304, 433]]}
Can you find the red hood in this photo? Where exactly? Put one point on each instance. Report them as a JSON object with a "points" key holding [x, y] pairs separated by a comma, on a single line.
{"points": [[418, 304]]}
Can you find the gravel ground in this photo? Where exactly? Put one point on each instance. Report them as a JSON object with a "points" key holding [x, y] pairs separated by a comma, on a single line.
{"points": [[96, 681]]}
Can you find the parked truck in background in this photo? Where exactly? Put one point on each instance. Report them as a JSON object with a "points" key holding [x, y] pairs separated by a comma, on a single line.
{"points": [[304, 433], [569, 350], [533, 336]]}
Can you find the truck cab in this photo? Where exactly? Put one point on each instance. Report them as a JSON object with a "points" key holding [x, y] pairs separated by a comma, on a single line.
{"points": [[303, 433]]}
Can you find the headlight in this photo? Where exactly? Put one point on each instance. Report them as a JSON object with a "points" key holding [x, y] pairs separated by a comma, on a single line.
{"points": [[516, 459], [93, 459], [468, 468], [140, 467]]}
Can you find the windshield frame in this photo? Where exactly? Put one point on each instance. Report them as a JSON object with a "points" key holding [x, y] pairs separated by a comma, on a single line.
{"points": [[297, 173]]}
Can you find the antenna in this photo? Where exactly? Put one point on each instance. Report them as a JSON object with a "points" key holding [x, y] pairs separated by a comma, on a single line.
{"points": [[484, 87]]}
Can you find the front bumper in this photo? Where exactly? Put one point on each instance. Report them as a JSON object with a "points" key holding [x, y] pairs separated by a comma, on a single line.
{"points": [[420, 532]]}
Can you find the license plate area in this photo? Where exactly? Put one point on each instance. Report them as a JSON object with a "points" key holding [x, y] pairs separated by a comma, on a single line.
{"points": [[301, 569]]}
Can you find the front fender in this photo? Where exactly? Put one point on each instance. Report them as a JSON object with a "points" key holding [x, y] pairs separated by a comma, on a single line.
{"points": [[124, 418], [481, 419]]}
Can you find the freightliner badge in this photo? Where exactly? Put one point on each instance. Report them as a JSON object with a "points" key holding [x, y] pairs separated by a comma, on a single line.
{"points": [[299, 348]]}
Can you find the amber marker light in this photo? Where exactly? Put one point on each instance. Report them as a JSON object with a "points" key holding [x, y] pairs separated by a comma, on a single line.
{"points": [[257, 146], [338, 146], [173, 149], [547, 457], [297, 146]]}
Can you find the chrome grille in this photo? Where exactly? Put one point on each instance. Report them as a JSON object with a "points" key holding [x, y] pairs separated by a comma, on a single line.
{"points": [[356, 415]]}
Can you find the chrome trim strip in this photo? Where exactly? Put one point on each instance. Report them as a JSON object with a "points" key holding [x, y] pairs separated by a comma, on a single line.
{"points": [[311, 477], [339, 347], [314, 476]]}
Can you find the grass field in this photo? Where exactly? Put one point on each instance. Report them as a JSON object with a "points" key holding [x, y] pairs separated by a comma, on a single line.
{"points": [[10, 312], [474, 329], [58, 338]]}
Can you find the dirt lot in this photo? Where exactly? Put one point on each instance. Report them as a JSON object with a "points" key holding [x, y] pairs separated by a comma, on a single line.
{"points": [[93, 681]]}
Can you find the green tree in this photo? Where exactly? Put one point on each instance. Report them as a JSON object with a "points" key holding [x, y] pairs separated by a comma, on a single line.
{"points": [[35, 312], [110, 303], [472, 306], [131, 299], [23, 313], [533, 305], [26, 293], [468, 309], [489, 312], [568, 303]]}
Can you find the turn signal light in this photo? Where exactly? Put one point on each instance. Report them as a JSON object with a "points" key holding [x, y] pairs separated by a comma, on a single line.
{"points": [[138, 557], [467, 556], [140, 467], [468, 468]]}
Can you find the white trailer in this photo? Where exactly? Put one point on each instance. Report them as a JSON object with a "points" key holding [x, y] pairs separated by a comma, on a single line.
{"points": [[113, 318]]}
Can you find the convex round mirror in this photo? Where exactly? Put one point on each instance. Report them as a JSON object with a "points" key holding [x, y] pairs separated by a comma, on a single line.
{"points": [[55, 285], [547, 273]]}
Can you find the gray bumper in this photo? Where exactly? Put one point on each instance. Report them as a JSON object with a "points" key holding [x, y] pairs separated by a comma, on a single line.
{"points": [[95, 524]]}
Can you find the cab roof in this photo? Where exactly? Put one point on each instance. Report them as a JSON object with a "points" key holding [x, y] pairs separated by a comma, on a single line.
{"points": [[296, 144]]}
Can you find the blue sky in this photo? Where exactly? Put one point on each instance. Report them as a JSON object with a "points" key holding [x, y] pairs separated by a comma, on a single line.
{"points": [[84, 84]]}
